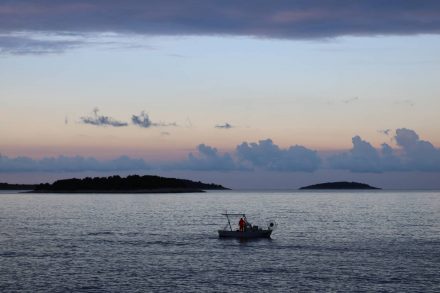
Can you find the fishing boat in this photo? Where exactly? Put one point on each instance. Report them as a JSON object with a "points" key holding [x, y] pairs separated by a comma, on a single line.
{"points": [[249, 231]]}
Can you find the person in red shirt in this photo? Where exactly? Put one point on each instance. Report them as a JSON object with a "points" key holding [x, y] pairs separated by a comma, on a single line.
{"points": [[242, 224]]}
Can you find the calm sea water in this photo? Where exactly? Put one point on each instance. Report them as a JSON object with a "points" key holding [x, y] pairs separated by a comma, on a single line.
{"points": [[363, 241]]}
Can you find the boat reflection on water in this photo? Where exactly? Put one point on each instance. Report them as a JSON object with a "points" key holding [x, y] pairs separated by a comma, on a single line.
{"points": [[248, 231]]}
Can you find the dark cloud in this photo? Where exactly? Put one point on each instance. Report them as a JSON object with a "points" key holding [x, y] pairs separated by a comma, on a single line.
{"points": [[165, 124], [266, 155], [301, 19], [248, 156], [141, 120], [385, 131], [208, 159], [70, 164], [224, 126], [99, 120], [144, 121], [363, 157], [406, 138], [413, 155], [22, 45], [418, 154]]}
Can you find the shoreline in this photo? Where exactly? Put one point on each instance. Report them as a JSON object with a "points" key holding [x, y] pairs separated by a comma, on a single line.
{"points": [[161, 190]]}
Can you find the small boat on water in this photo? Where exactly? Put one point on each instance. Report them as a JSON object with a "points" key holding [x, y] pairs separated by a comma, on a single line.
{"points": [[249, 231]]}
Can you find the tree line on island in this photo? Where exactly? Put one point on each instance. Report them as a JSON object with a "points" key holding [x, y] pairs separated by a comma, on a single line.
{"points": [[8, 186], [339, 186], [117, 184], [133, 183], [150, 184]]}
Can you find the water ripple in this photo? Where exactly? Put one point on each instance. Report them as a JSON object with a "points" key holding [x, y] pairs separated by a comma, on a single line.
{"points": [[383, 241]]}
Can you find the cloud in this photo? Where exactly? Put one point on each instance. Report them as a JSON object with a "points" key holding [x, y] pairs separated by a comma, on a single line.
{"points": [[406, 138], [70, 164], [417, 154], [141, 120], [224, 126], [99, 120], [303, 19], [405, 103], [414, 155], [266, 155], [56, 42], [208, 159], [144, 121], [351, 100], [249, 156], [385, 131], [22, 45], [363, 157]]}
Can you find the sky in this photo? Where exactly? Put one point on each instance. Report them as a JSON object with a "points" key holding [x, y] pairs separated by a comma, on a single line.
{"points": [[249, 94]]}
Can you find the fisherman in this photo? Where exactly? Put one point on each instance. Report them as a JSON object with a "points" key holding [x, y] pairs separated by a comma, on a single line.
{"points": [[242, 224]]}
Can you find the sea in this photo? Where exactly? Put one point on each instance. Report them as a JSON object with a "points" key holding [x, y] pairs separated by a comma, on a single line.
{"points": [[341, 241]]}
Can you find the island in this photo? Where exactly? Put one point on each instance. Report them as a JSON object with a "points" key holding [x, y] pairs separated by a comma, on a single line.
{"points": [[129, 184], [339, 186], [7, 186]]}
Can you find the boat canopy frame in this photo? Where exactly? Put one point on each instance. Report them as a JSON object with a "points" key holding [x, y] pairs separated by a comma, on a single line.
{"points": [[226, 214]]}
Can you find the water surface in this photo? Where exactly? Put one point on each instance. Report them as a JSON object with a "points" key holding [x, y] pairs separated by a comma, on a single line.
{"points": [[326, 241]]}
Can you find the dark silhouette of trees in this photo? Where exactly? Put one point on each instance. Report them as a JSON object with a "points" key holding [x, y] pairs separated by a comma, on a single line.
{"points": [[130, 183], [340, 185], [7, 186]]}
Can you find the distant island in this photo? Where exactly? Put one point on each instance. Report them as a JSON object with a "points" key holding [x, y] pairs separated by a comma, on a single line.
{"points": [[339, 185], [117, 184], [7, 186]]}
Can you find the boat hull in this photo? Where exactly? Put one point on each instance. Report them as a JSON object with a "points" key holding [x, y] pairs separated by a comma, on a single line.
{"points": [[245, 234]]}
